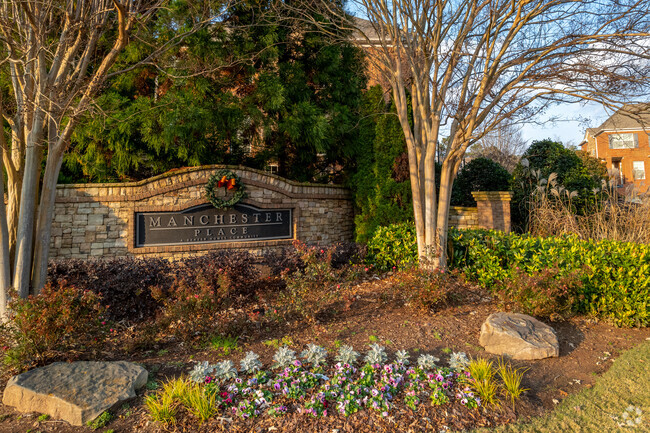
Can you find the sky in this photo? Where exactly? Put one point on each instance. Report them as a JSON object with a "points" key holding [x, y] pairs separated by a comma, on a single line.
{"points": [[574, 119]]}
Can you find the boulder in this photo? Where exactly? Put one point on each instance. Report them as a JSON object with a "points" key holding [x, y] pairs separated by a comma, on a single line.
{"points": [[76, 392], [518, 336]]}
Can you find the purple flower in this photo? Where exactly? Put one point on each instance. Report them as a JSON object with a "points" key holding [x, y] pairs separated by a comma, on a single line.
{"points": [[384, 413], [297, 363], [439, 377]]}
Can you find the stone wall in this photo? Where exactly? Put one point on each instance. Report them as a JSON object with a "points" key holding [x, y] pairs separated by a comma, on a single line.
{"points": [[463, 217], [97, 220]]}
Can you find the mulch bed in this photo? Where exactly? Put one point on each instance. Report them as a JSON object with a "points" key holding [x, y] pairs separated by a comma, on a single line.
{"points": [[374, 311]]}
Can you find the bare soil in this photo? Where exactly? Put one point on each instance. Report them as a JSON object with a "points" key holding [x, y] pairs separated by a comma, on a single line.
{"points": [[373, 311]]}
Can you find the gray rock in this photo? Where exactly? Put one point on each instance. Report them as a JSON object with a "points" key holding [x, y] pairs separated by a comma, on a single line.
{"points": [[76, 392], [518, 336]]}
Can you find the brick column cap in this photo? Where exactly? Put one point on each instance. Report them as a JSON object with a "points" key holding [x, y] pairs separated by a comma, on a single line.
{"points": [[492, 195]]}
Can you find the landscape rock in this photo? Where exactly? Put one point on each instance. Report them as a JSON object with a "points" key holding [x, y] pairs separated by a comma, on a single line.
{"points": [[518, 336], [76, 392]]}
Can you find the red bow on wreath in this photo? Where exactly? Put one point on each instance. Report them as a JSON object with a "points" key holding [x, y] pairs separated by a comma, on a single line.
{"points": [[229, 183]]}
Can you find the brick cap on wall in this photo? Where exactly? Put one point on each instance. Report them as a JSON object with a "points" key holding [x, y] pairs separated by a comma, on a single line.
{"points": [[492, 195]]}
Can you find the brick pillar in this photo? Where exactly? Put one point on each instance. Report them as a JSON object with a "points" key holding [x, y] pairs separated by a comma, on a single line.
{"points": [[493, 209]]}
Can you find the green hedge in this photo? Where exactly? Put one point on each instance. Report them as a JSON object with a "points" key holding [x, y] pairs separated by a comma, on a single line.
{"points": [[614, 276], [391, 246]]}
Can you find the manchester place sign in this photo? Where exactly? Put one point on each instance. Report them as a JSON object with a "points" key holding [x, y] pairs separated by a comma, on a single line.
{"points": [[206, 224]]}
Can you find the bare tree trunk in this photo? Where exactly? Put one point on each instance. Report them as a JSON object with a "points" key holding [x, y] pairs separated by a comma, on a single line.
{"points": [[25, 227], [5, 257], [439, 255], [45, 214], [5, 268], [430, 216], [14, 187], [13, 159]]}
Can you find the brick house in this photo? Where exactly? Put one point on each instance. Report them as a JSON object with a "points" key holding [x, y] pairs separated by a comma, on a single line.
{"points": [[622, 143]]}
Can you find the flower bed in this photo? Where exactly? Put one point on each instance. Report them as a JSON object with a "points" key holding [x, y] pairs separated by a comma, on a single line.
{"points": [[313, 388]]}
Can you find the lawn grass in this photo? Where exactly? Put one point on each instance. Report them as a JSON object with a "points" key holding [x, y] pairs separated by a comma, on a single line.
{"points": [[624, 388]]}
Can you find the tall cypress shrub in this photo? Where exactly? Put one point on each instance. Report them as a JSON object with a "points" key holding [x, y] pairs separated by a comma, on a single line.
{"points": [[381, 185]]}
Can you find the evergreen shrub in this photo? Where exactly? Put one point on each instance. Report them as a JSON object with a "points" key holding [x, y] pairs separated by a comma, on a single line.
{"points": [[393, 246], [608, 279], [480, 174]]}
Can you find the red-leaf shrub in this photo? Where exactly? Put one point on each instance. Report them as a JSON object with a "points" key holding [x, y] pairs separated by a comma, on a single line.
{"points": [[547, 293], [124, 284], [62, 318], [203, 288]]}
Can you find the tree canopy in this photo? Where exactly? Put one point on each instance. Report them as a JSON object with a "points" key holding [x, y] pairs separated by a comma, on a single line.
{"points": [[272, 93]]}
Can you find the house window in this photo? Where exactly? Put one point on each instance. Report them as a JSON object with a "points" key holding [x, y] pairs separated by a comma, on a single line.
{"points": [[623, 141], [272, 168], [638, 170]]}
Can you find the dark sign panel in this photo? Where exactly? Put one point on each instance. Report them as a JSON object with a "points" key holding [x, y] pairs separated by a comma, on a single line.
{"points": [[206, 224]]}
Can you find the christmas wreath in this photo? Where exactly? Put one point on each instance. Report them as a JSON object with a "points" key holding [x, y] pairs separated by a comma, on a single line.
{"points": [[225, 179]]}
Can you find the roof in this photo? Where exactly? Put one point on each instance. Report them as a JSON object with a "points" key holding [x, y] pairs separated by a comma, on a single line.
{"points": [[364, 31], [636, 116]]}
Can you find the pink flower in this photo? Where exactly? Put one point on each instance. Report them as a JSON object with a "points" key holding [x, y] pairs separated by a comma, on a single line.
{"points": [[103, 323]]}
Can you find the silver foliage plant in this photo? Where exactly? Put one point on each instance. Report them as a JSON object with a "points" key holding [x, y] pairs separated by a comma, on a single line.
{"points": [[251, 363], [225, 370], [427, 362], [347, 355], [376, 354], [402, 357], [314, 355], [200, 371], [458, 361], [284, 357]]}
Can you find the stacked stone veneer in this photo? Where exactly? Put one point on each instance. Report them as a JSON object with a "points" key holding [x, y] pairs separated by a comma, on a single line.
{"points": [[463, 217], [97, 220]]}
